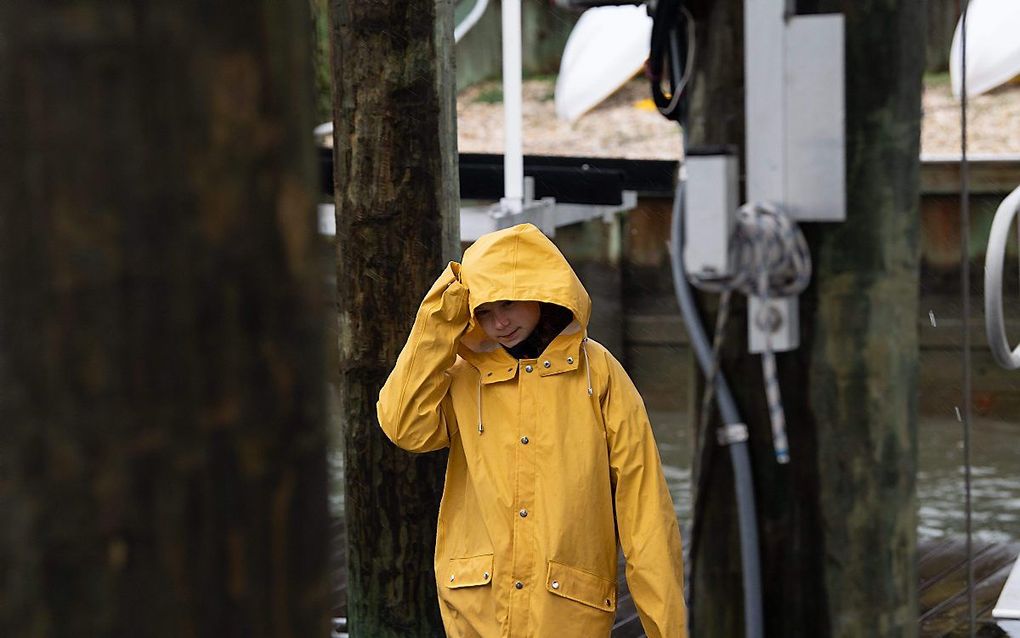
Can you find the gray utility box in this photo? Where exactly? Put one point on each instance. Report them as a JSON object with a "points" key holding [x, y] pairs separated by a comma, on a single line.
{"points": [[710, 207], [796, 113]]}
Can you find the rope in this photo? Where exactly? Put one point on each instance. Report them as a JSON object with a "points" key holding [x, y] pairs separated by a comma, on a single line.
{"points": [[965, 292], [722, 315], [769, 256], [769, 259]]}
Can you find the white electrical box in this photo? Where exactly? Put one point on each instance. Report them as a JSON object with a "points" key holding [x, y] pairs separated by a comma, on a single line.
{"points": [[710, 206], [815, 120], [794, 100]]}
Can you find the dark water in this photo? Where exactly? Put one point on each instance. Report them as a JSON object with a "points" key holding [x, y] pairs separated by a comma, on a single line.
{"points": [[995, 456], [995, 482]]}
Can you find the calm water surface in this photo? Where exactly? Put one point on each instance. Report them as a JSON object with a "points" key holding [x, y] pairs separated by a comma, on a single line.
{"points": [[995, 479], [995, 455]]}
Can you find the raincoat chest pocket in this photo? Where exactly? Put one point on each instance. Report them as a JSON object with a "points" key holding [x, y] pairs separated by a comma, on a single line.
{"points": [[473, 571], [581, 586]]}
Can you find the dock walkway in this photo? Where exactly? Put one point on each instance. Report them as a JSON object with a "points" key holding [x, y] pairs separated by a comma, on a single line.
{"points": [[942, 568], [942, 593]]}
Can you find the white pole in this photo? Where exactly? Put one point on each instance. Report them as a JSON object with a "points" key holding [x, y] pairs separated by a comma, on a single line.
{"points": [[764, 106], [513, 155]]}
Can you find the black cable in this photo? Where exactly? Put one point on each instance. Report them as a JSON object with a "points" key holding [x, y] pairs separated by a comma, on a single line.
{"points": [[669, 46], [665, 49], [673, 38], [705, 441], [965, 293], [581, 5]]}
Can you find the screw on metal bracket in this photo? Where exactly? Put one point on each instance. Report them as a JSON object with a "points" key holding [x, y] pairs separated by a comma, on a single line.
{"points": [[769, 319]]}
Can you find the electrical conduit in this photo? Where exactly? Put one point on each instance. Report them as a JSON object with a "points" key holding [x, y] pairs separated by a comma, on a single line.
{"points": [[739, 456]]}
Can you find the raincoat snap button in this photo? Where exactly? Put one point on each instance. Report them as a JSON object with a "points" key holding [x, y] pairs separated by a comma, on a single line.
{"points": [[524, 513], [570, 359], [485, 576], [451, 578], [546, 364], [519, 585], [556, 584], [524, 440], [609, 603], [488, 374], [528, 368]]}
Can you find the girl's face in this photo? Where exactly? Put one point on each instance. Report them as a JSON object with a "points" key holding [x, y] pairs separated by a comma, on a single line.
{"points": [[508, 322]]}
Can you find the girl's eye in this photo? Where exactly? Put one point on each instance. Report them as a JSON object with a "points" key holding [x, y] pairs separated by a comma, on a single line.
{"points": [[507, 304], [481, 313]]}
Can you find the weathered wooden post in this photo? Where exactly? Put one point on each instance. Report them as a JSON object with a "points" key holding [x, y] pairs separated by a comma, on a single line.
{"points": [[162, 463], [397, 220], [838, 524]]}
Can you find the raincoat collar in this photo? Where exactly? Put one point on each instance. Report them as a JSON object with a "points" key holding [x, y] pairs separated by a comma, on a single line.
{"points": [[561, 355]]}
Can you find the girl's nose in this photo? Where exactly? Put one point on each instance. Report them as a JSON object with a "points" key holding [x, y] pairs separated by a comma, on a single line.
{"points": [[501, 319]]}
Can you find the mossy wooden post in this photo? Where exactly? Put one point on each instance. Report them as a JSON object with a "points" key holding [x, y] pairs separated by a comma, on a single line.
{"points": [[162, 464], [838, 524], [397, 220]]}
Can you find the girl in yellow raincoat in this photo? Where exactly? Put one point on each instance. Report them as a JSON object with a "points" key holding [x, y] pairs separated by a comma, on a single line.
{"points": [[552, 458]]}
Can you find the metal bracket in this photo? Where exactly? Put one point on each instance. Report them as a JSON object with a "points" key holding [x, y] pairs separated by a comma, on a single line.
{"points": [[545, 213], [773, 325]]}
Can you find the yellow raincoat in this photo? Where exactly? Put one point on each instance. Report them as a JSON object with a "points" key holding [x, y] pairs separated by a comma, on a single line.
{"points": [[551, 459]]}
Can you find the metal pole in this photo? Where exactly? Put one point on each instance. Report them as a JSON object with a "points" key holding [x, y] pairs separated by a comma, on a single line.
{"points": [[513, 155]]}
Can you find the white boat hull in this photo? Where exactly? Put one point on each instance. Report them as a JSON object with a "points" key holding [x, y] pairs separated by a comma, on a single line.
{"points": [[607, 46], [993, 46]]}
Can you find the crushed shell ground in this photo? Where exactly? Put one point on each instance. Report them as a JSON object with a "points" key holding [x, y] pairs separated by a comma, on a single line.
{"points": [[626, 125]]}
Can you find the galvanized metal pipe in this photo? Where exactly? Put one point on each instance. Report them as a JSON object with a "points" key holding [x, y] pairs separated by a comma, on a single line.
{"points": [[513, 154]]}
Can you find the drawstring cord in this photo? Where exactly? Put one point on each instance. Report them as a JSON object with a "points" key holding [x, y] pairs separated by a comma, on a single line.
{"points": [[587, 364], [480, 427]]}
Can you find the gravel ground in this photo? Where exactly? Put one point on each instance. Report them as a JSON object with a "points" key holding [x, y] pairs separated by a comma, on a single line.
{"points": [[615, 128], [993, 122], [626, 126]]}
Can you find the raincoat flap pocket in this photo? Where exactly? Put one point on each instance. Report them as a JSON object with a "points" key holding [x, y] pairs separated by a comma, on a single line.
{"points": [[469, 572], [581, 586]]}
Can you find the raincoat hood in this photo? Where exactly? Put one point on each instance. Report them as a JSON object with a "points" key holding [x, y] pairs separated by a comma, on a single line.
{"points": [[520, 264]]}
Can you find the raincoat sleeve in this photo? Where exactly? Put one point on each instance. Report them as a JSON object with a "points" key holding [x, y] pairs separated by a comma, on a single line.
{"points": [[414, 408], [645, 518]]}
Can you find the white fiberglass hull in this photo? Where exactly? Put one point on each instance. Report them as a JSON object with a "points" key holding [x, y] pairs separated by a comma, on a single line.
{"points": [[607, 46], [993, 46]]}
